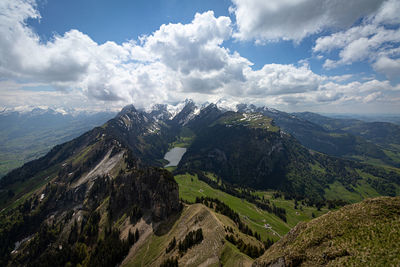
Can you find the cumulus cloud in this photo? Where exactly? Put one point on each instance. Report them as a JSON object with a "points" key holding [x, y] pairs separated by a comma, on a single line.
{"points": [[173, 60], [23, 55], [193, 46], [391, 67], [195, 53], [69, 61], [277, 79], [172, 63], [369, 42], [375, 40], [262, 20]]}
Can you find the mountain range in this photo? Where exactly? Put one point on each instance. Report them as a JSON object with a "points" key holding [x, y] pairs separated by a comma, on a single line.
{"points": [[104, 198]]}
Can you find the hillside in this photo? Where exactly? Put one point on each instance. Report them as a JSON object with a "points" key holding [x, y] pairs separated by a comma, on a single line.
{"points": [[25, 136], [82, 215], [187, 133], [345, 138], [255, 216], [373, 142], [248, 149], [102, 199], [383, 133], [362, 234], [75, 197], [212, 250]]}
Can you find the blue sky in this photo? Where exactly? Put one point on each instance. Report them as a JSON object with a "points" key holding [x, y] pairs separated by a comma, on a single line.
{"points": [[291, 55], [120, 20], [125, 20]]}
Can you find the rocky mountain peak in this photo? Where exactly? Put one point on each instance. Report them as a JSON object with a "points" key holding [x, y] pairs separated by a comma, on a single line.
{"points": [[160, 112], [188, 112], [127, 109]]}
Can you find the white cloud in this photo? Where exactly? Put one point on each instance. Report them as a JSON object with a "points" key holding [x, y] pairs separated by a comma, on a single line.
{"points": [[23, 55], [372, 97], [388, 13], [276, 79], [376, 41], [175, 62], [262, 20], [193, 46], [195, 53], [391, 67], [341, 39], [340, 78], [359, 43]]}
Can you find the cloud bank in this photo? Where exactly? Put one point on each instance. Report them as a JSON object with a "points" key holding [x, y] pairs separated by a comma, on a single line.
{"points": [[376, 40], [178, 61], [273, 20]]}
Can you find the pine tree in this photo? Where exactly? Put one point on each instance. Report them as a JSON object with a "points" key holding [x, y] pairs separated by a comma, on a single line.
{"points": [[137, 235]]}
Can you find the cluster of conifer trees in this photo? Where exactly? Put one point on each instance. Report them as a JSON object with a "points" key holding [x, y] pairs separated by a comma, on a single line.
{"points": [[43, 250], [171, 245], [243, 193], [192, 238], [248, 249], [224, 209], [170, 262]]}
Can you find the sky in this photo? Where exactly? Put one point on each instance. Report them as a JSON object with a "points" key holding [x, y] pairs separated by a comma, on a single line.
{"points": [[340, 56]]}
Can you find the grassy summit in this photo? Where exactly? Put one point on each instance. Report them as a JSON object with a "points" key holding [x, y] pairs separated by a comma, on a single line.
{"points": [[251, 120], [362, 234]]}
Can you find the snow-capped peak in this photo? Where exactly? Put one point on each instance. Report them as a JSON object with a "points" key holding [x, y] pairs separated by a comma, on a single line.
{"points": [[225, 105]]}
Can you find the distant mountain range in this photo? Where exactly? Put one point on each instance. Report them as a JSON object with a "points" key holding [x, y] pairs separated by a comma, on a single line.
{"points": [[393, 118], [27, 134]]}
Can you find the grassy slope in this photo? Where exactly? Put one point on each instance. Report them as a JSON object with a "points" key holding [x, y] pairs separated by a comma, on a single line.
{"points": [[231, 256], [212, 250], [190, 188], [25, 189], [361, 191], [362, 234]]}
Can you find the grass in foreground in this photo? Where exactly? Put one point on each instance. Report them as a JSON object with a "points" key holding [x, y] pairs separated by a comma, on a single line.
{"points": [[362, 234]]}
